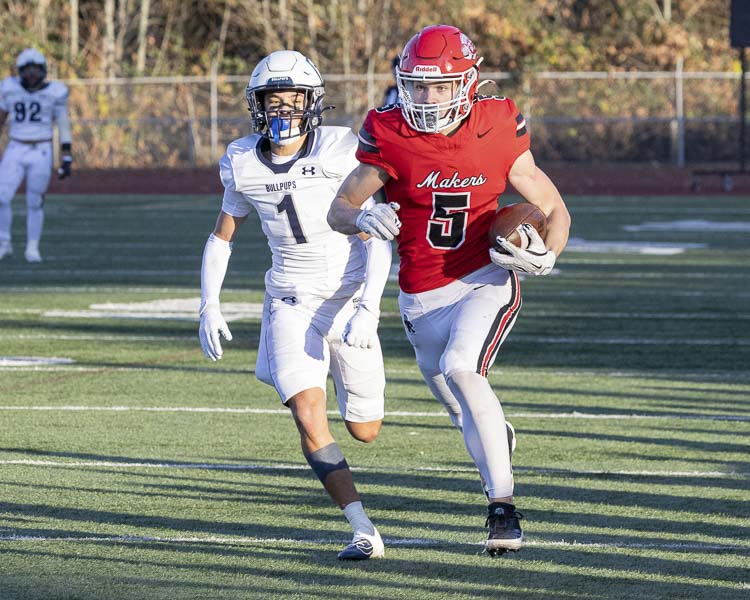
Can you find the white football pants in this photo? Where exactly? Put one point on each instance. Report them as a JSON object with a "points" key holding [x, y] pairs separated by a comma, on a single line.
{"points": [[456, 332], [300, 343], [34, 163]]}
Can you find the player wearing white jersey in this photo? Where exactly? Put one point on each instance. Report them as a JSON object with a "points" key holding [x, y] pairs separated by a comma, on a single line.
{"points": [[319, 315], [35, 106]]}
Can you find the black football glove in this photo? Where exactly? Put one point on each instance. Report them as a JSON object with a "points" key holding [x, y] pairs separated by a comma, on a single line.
{"points": [[66, 167]]}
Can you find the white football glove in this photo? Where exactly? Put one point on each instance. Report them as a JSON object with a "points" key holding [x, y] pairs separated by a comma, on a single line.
{"points": [[380, 221], [362, 329], [212, 324], [535, 259]]}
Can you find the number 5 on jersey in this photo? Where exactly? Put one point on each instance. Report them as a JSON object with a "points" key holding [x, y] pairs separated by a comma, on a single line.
{"points": [[446, 228]]}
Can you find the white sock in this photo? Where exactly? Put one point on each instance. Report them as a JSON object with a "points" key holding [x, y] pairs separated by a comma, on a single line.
{"points": [[355, 514]]}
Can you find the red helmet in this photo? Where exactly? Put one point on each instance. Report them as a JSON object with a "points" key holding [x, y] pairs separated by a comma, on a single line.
{"points": [[438, 54]]}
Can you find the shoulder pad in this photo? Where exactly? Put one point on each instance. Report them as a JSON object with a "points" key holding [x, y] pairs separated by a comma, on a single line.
{"points": [[242, 145], [58, 89], [387, 107], [7, 84], [336, 148]]}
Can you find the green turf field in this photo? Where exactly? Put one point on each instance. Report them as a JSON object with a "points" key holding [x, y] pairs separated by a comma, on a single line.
{"points": [[132, 467]]}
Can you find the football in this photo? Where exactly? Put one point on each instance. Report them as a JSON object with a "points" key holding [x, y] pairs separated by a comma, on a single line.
{"points": [[511, 216]]}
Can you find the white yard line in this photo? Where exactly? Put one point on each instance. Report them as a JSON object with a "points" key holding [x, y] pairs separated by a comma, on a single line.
{"points": [[705, 316], [304, 467], [101, 338], [395, 413], [625, 341], [724, 377], [405, 542]]}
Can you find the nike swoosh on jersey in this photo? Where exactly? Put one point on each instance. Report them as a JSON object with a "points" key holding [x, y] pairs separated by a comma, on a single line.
{"points": [[481, 135]]}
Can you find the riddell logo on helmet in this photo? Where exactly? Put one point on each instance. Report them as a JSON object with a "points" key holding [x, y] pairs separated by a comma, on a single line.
{"points": [[427, 69]]}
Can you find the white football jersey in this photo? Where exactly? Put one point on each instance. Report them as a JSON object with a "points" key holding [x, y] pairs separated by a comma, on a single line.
{"points": [[292, 200], [32, 114]]}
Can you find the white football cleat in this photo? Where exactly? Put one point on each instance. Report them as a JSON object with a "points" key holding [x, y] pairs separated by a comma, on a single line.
{"points": [[32, 252], [5, 249], [364, 547]]}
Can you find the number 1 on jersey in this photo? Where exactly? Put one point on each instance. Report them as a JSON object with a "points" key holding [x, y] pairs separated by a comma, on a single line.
{"points": [[287, 206]]}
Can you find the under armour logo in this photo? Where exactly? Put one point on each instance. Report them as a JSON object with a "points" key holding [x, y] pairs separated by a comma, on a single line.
{"points": [[308, 170], [408, 324]]}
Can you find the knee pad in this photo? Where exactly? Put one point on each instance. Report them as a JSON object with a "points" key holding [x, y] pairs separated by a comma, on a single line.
{"points": [[6, 195], [455, 358], [34, 201]]}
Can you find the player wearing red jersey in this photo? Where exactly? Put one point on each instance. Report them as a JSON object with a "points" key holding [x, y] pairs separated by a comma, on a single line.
{"points": [[443, 156]]}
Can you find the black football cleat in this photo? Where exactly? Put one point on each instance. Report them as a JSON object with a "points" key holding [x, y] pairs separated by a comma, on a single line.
{"points": [[505, 530], [364, 547]]}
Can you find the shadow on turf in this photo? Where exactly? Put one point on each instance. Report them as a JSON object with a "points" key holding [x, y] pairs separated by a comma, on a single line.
{"points": [[272, 572], [662, 396], [677, 443], [418, 501]]}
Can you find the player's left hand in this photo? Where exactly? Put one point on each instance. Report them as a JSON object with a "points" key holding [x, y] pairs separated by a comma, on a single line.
{"points": [[362, 329], [66, 167], [536, 259]]}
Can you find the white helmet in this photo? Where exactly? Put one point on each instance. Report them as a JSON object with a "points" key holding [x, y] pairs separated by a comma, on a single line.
{"points": [[30, 56], [285, 70]]}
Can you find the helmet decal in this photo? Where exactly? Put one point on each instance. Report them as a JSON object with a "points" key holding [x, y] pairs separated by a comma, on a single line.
{"points": [[467, 47]]}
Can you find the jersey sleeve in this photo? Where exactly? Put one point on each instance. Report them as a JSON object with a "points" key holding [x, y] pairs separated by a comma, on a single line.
{"points": [[340, 158], [234, 203], [60, 109], [520, 141], [3, 102], [370, 148]]}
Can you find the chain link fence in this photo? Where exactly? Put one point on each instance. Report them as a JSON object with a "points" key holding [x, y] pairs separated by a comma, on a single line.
{"points": [[665, 117]]}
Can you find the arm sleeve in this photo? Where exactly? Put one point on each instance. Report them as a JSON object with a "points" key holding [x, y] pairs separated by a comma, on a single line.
{"points": [[377, 268], [61, 117], [213, 269], [234, 202]]}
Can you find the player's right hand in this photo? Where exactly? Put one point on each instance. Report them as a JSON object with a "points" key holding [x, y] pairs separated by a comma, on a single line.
{"points": [[380, 221], [66, 168], [211, 328], [536, 259]]}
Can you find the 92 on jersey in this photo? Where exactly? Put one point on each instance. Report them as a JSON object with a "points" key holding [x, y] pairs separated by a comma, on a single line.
{"points": [[32, 112]]}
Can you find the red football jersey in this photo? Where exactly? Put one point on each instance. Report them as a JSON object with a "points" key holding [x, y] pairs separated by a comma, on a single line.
{"points": [[447, 187]]}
